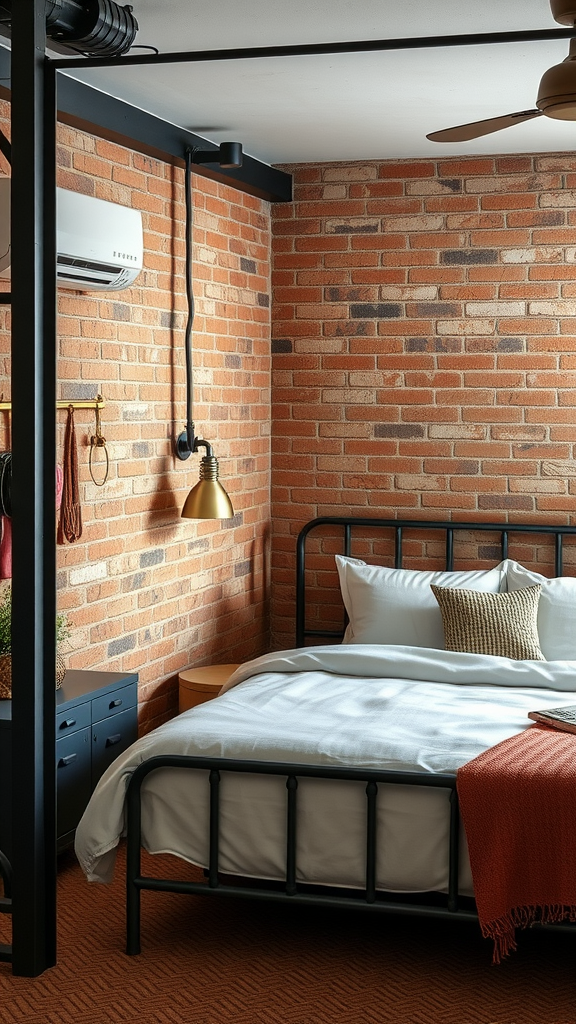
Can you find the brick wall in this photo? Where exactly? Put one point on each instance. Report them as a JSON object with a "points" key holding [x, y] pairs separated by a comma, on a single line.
{"points": [[423, 346], [145, 590]]}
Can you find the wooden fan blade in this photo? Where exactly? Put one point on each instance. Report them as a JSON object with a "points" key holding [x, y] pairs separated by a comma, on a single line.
{"points": [[465, 132]]}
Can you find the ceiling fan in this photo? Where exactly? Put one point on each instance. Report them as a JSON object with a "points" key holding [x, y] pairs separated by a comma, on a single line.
{"points": [[556, 94]]}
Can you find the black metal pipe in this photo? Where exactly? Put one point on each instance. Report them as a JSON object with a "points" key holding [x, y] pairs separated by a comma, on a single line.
{"points": [[371, 794], [318, 49], [454, 855], [133, 869], [398, 547], [214, 780], [33, 202], [292, 789]]}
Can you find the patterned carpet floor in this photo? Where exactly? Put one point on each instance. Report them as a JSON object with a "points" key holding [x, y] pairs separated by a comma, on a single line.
{"points": [[223, 961]]}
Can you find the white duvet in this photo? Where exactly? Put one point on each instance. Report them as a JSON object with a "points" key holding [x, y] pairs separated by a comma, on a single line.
{"points": [[391, 707]]}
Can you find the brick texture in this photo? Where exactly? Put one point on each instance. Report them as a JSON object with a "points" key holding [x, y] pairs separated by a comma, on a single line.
{"points": [[423, 321], [145, 590]]}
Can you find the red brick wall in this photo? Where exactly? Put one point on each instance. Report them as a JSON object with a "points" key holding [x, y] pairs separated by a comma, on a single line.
{"points": [[145, 590], [424, 353]]}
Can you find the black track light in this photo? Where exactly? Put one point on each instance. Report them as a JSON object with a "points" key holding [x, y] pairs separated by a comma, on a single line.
{"points": [[100, 28]]}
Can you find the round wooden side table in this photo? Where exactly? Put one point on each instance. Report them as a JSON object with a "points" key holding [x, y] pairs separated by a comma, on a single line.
{"points": [[197, 685]]}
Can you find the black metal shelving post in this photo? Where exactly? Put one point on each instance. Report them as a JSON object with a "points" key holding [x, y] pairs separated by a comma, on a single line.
{"points": [[33, 504]]}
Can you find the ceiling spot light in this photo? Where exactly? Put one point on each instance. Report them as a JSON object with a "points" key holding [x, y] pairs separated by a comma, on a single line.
{"points": [[228, 154], [99, 28]]}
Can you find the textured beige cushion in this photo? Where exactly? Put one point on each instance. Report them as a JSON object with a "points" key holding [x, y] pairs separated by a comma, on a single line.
{"points": [[500, 624]]}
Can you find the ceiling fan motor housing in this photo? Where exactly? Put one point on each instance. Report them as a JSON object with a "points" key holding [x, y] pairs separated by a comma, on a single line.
{"points": [[564, 12], [557, 91]]}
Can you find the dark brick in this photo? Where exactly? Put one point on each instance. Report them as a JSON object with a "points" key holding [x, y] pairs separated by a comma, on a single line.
{"points": [[263, 299], [404, 430], [142, 449], [490, 552], [510, 345], [61, 579], [134, 582], [237, 520], [153, 557], [433, 344], [202, 544], [345, 294], [121, 645], [355, 330], [514, 502], [248, 266], [232, 361], [376, 310], [168, 318], [468, 257], [356, 229], [243, 568], [454, 184], [281, 345], [120, 311], [427, 309], [73, 390]]}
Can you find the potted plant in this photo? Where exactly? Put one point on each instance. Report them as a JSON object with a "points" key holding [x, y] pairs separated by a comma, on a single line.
{"points": [[62, 634]]}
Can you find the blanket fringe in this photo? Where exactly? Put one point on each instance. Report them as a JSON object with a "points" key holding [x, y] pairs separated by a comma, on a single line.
{"points": [[503, 931]]}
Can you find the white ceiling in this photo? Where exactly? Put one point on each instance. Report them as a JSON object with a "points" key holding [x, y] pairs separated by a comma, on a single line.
{"points": [[350, 106]]}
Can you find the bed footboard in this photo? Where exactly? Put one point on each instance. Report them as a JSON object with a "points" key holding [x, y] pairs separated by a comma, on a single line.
{"points": [[367, 898]]}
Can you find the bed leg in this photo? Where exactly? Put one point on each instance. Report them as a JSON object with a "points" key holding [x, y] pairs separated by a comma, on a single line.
{"points": [[132, 918], [133, 864]]}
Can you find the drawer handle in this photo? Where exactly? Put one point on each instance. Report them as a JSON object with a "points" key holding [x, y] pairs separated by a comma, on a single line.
{"points": [[115, 703], [113, 739], [68, 723], [64, 761]]}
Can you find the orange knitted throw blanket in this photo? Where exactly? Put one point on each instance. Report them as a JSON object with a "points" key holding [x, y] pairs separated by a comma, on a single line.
{"points": [[518, 805]]}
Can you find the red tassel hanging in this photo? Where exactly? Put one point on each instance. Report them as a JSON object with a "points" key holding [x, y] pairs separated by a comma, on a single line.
{"points": [[70, 512]]}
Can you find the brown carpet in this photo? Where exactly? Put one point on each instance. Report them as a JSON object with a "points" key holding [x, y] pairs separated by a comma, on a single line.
{"points": [[212, 961]]}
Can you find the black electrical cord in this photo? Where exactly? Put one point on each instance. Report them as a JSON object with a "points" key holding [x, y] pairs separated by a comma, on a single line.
{"points": [[190, 301]]}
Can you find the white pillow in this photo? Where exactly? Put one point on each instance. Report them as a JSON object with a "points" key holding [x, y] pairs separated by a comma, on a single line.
{"points": [[556, 610], [397, 606]]}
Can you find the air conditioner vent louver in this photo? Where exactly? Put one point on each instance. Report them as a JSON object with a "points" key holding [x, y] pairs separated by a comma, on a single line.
{"points": [[100, 244]]}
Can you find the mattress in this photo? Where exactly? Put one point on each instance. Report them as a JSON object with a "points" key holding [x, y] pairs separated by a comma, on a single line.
{"points": [[401, 708]]}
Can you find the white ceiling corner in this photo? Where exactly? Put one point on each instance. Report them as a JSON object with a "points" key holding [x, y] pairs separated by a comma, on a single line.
{"points": [[350, 106]]}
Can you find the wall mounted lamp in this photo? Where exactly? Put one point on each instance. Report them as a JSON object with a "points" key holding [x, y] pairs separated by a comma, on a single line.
{"points": [[207, 499]]}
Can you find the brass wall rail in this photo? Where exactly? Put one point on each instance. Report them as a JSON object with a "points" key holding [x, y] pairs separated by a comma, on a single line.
{"points": [[94, 403]]}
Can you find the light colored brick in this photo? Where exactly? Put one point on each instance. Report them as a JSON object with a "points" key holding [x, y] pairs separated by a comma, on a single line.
{"points": [[495, 309], [88, 573]]}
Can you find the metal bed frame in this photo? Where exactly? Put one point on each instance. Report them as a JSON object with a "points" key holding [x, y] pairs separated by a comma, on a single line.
{"points": [[435, 905]]}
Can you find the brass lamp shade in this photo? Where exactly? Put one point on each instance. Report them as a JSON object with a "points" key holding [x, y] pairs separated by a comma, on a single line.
{"points": [[208, 499]]}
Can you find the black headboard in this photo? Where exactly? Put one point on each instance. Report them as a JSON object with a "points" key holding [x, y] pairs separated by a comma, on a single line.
{"points": [[398, 528]]}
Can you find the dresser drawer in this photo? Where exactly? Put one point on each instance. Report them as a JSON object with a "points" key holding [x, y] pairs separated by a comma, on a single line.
{"points": [[72, 779], [114, 703], [110, 738], [71, 721]]}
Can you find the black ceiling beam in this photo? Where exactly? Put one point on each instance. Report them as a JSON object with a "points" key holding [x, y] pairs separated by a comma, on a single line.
{"points": [[317, 49], [99, 114]]}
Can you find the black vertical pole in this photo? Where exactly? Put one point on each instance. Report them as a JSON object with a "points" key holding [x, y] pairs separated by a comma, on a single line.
{"points": [[33, 504]]}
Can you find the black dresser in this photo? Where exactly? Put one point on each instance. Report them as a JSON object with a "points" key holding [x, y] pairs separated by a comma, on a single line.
{"points": [[96, 719]]}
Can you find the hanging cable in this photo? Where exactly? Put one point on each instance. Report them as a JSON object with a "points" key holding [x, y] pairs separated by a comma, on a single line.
{"points": [[189, 227]]}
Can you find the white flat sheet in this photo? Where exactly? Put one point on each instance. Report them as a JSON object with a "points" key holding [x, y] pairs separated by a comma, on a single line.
{"points": [[390, 707]]}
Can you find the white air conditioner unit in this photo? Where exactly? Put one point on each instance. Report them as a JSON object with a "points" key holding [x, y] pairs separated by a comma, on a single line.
{"points": [[100, 244]]}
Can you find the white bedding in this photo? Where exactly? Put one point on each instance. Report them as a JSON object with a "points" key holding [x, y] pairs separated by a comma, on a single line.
{"points": [[392, 707]]}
